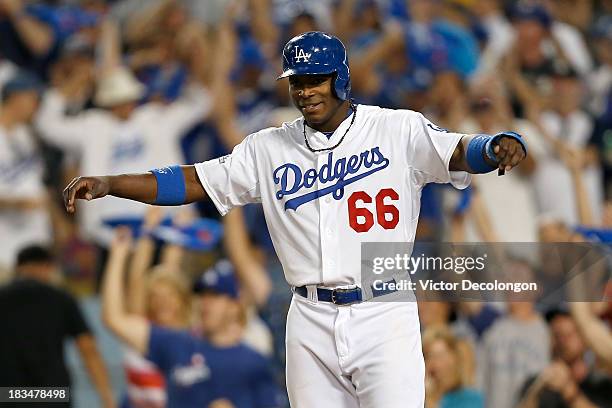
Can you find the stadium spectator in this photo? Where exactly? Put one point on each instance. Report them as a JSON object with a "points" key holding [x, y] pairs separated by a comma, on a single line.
{"points": [[218, 135], [592, 327], [438, 315], [489, 111], [198, 370], [600, 96], [413, 54], [516, 347], [356, 23], [600, 79], [24, 217], [147, 22], [453, 23], [566, 31], [570, 380], [36, 318], [76, 58], [531, 60], [247, 259], [479, 315], [157, 49], [293, 15], [446, 385], [162, 297], [567, 130], [24, 39], [499, 35], [594, 331], [382, 74], [447, 99], [576, 13], [121, 138]]}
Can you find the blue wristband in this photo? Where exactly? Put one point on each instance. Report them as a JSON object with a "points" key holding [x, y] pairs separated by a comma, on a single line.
{"points": [[476, 150], [484, 145], [170, 186]]}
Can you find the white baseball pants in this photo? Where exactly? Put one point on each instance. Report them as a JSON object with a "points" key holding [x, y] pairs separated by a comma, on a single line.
{"points": [[366, 355]]}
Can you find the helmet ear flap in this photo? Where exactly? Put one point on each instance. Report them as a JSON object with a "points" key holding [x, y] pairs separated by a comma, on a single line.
{"points": [[333, 85], [339, 90]]}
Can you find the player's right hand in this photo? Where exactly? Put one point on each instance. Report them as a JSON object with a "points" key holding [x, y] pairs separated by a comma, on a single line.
{"points": [[85, 188]]}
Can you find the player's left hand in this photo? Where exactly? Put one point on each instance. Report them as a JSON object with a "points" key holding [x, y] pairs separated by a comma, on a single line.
{"points": [[509, 153]]}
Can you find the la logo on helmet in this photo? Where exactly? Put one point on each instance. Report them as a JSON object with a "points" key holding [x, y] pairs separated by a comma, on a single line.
{"points": [[300, 55]]}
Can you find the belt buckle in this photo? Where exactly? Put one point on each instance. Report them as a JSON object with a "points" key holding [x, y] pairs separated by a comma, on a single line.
{"points": [[333, 297], [335, 300]]}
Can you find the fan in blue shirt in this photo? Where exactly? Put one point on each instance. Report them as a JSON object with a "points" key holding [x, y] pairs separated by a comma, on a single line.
{"points": [[200, 368]]}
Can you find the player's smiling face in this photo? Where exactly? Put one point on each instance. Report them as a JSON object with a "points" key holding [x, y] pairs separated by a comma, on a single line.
{"points": [[313, 96]]}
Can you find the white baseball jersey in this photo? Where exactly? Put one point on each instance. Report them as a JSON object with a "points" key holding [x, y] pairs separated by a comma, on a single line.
{"points": [[320, 207]]}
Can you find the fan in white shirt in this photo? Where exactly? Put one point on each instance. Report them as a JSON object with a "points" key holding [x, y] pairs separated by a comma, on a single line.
{"points": [[121, 138], [569, 129], [24, 218]]}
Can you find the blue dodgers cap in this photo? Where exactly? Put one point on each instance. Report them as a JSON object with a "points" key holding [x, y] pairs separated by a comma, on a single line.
{"points": [[220, 279], [318, 53], [249, 53], [23, 81], [535, 12]]}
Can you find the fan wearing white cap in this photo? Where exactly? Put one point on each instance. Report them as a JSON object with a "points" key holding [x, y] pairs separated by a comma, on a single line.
{"points": [[119, 92], [119, 136]]}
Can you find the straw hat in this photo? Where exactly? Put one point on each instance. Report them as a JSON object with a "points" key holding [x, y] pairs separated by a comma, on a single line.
{"points": [[120, 86]]}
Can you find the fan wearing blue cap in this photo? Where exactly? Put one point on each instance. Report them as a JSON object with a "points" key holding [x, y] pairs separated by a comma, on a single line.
{"points": [[199, 368], [20, 97], [218, 302]]}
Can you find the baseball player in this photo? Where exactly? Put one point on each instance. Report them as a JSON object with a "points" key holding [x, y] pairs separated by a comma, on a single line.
{"points": [[340, 175]]}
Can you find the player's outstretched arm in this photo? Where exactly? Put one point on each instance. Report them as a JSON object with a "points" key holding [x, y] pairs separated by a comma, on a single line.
{"points": [[174, 185], [483, 153]]}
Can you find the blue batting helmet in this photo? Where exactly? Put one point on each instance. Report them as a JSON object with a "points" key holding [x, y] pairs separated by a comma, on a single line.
{"points": [[315, 53]]}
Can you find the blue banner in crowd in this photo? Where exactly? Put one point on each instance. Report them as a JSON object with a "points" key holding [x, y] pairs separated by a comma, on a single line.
{"points": [[203, 234]]}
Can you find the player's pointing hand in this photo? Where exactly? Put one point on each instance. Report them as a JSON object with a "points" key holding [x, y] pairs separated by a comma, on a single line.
{"points": [[86, 188], [509, 153]]}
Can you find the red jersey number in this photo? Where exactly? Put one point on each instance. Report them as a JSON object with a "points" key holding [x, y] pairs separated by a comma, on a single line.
{"points": [[361, 219]]}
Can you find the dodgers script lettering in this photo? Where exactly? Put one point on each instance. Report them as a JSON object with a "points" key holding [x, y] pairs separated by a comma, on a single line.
{"points": [[291, 179]]}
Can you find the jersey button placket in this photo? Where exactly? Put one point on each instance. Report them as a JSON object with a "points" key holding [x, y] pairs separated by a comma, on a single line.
{"points": [[327, 246]]}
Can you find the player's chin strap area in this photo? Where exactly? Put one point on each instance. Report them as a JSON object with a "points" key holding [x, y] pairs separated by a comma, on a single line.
{"points": [[352, 111]]}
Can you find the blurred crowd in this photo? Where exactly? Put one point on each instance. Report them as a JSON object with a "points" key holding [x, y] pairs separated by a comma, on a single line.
{"points": [[94, 87]]}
